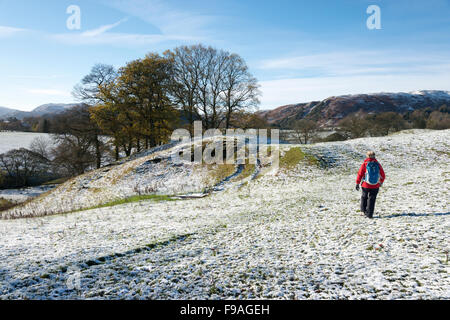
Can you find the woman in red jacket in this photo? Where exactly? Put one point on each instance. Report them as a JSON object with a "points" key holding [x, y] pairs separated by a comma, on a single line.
{"points": [[372, 176]]}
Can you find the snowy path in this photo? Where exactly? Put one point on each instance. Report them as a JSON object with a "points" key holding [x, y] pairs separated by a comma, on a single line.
{"points": [[294, 235]]}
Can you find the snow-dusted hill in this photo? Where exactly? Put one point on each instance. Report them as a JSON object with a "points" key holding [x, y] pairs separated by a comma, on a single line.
{"points": [[330, 110], [152, 172], [5, 111], [45, 109], [294, 234]]}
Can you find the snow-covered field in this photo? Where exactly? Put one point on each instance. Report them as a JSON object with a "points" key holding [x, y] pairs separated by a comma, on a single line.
{"points": [[16, 140], [24, 194], [293, 234]]}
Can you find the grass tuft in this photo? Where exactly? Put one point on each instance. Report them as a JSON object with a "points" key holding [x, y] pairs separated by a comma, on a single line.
{"points": [[6, 204], [218, 172], [293, 156], [154, 197]]}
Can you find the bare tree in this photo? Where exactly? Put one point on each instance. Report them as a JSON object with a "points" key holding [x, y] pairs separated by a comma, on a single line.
{"points": [[353, 126], [211, 85], [78, 140], [72, 155], [20, 165], [305, 130], [42, 146], [438, 120], [88, 90], [240, 88], [187, 64]]}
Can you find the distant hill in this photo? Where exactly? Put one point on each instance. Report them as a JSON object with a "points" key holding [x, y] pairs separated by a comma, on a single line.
{"points": [[329, 111], [50, 108], [5, 111]]}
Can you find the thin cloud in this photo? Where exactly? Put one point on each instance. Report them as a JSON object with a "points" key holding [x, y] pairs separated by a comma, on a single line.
{"points": [[49, 92], [102, 29], [356, 63], [10, 31], [119, 39], [296, 90], [101, 36], [173, 25], [168, 19], [37, 77]]}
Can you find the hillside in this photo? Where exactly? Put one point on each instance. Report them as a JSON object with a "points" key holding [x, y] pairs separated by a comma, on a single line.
{"points": [[332, 109], [295, 233], [45, 109], [151, 172], [5, 111]]}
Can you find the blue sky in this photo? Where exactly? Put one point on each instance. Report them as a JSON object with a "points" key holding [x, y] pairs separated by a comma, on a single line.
{"points": [[299, 50]]}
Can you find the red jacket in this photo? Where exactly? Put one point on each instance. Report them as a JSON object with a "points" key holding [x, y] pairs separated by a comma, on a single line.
{"points": [[362, 173]]}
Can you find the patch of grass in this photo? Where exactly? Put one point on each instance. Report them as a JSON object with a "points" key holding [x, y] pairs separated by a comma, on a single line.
{"points": [[248, 171], [96, 190], [293, 156], [56, 181], [213, 290], [218, 172], [388, 272], [245, 184], [120, 175], [242, 196], [6, 204], [154, 197]]}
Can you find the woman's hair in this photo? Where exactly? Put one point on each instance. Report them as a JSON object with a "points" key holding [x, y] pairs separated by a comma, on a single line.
{"points": [[370, 154]]}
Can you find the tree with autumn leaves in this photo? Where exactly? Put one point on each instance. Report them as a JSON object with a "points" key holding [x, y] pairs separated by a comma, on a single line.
{"points": [[140, 104], [134, 108]]}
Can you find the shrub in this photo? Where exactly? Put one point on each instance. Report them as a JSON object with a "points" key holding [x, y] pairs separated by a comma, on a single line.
{"points": [[21, 166], [438, 120], [334, 137]]}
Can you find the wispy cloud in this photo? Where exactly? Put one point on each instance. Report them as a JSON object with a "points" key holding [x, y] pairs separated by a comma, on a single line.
{"points": [[303, 78], [119, 39], [10, 31], [296, 90], [102, 29], [101, 36], [173, 25], [49, 92], [168, 19], [356, 63], [37, 77]]}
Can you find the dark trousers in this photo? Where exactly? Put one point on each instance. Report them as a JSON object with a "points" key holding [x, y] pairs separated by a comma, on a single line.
{"points": [[368, 198]]}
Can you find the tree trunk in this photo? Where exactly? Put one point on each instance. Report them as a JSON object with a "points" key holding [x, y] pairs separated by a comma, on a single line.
{"points": [[117, 153], [98, 153], [138, 145]]}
